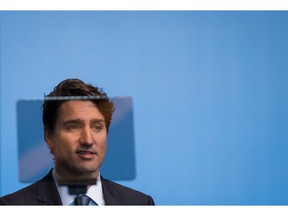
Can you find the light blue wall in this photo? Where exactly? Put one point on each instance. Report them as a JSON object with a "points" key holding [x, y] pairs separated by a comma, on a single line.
{"points": [[209, 92]]}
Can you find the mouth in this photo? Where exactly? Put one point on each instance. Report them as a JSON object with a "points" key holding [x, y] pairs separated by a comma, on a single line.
{"points": [[85, 152], [86, 155]]}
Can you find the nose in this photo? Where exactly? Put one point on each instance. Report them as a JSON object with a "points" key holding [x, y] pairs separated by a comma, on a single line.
{"points": [[86, 137]]}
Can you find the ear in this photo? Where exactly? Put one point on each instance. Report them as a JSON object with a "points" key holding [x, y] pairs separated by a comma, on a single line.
{"points": [[48, 136]]}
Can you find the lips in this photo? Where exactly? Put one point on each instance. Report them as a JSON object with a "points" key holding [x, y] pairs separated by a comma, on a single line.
{"points": [[85, 152], [86, 155]]}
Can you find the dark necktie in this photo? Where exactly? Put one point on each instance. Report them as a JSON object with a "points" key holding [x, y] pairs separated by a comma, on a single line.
{"points": [[82, 200]]}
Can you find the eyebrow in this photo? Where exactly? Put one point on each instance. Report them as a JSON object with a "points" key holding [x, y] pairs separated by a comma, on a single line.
{"points": [[98, 121], [72, 121], [78, 121]]}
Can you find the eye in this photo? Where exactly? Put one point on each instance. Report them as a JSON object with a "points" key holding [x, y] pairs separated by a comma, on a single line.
{"points": [[97, 127], [71, 127]]}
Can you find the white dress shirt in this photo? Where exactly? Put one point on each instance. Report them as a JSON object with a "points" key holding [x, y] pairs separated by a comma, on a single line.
{"points": [[94, 191]]}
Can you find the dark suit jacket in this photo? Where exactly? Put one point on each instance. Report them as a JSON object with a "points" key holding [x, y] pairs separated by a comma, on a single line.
{"points": [[44, 192]]}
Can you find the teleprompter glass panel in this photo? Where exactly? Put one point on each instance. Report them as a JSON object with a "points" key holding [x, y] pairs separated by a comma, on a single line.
{"points": [[35, 160]]}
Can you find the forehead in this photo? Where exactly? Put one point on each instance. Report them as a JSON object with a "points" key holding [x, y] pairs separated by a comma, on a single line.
{"points": [[81, 109]]}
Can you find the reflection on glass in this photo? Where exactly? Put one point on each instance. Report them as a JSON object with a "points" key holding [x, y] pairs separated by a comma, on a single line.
{"points": [[33, 154]]}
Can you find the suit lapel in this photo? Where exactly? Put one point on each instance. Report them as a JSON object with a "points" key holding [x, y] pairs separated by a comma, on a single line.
{"points": [[110, 193], [47, 191]]}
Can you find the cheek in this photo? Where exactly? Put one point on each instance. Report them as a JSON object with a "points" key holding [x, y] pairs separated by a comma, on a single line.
{"points": [[62, 143], [103, 145]]}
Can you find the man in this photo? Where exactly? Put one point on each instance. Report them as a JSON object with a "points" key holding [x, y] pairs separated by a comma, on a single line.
{"points": [[76, 119]]}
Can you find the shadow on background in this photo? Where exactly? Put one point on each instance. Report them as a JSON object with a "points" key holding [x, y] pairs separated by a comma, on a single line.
{"points": [[35, 160]]}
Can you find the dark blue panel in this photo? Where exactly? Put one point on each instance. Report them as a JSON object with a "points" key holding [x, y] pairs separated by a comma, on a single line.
{"points": [[35, 160], [120, 159]]}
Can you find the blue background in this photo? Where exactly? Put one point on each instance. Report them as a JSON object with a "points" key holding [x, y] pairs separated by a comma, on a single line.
{"points": [[209, 93]]}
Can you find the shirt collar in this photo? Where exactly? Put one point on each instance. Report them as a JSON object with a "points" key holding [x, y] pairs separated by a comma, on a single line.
{"points": [[94, 191]]}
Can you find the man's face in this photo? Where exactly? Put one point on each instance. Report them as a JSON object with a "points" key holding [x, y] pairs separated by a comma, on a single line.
{"points": [[79, 140]]}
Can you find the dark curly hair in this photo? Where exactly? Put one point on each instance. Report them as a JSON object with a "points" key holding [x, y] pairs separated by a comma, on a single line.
{"points": [[71, 88]]}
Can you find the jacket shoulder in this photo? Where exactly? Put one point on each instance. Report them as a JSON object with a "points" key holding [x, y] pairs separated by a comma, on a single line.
{"points": [[24, 196], [42, 192], [117, 194]]}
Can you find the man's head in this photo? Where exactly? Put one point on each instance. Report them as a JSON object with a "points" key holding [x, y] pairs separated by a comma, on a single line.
{"points": [[75, 87], [75, 129]]}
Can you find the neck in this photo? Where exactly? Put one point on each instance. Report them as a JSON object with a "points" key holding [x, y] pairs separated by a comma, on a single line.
{"points": [[73, 177]]}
